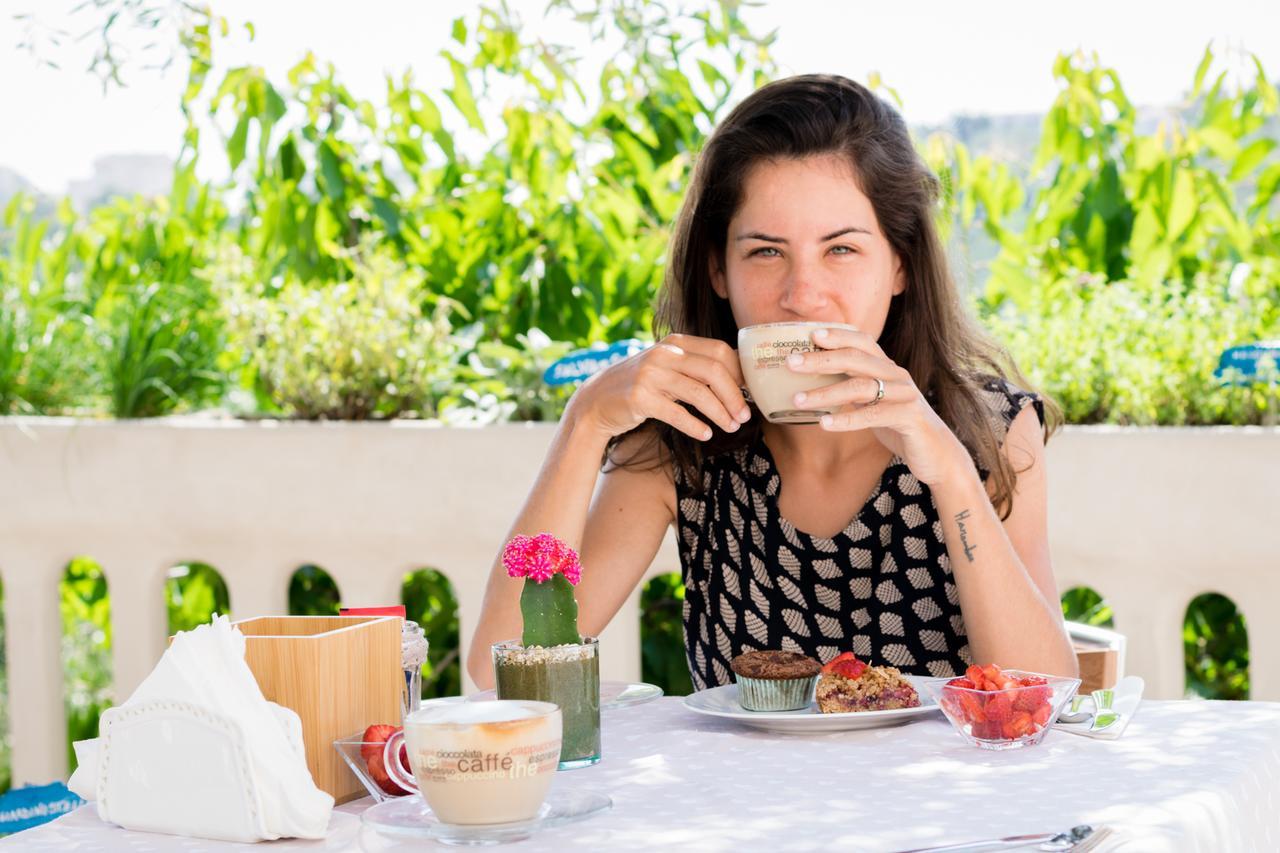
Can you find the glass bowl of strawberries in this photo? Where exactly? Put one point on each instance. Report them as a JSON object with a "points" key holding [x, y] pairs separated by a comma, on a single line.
{"points": [[996, 708], [366, 754]]}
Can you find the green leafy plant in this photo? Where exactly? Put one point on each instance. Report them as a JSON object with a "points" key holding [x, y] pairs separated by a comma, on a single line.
{"points": [[86, 649], [662, 655], [6, 746], [366, 347], [46, 342], [1084, 605], [1133, 353], [162, 352], [1216, 646], [312, 592], [429, 600], [193, 593], [499, 382]]}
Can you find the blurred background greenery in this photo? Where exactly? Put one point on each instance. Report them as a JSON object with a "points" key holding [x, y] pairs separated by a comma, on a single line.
{"points": [[361, 262]]}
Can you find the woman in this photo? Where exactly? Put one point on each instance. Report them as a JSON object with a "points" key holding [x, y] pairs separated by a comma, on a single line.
{"points": [[912, 526]]}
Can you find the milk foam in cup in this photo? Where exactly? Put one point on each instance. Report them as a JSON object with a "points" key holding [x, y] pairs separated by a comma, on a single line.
{"points": [[763, 352], [480, 762]]}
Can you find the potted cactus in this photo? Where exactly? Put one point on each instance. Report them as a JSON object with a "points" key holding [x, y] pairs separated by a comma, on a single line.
{"points": [[552, 662]]}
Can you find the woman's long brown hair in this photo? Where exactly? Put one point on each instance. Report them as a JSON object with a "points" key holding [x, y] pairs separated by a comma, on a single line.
{"points": [[927, 330]]}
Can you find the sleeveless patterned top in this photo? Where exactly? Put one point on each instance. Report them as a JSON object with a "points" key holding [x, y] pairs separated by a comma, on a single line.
{"points": [[881, 588]]}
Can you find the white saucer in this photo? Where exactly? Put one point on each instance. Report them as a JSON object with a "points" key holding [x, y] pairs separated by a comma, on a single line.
{"points": [[409, 818]]}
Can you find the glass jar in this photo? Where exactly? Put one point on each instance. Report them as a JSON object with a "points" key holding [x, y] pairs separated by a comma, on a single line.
{"points": [[413, 654], [569, 676]]}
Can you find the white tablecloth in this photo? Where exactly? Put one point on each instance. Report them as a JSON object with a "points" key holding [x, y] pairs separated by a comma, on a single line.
{"points": [[1186, 776]]}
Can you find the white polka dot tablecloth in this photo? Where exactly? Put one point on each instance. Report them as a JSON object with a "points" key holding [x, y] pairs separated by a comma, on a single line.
{"points": [[1186, 776]]}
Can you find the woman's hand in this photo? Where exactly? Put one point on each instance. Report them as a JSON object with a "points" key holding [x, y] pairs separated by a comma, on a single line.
{"points": [[652, 384], [901, 419]]}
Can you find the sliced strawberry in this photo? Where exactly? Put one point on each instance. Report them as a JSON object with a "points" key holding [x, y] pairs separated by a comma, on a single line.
{"points": [[974, 674], [987, 730], [373, 739], [962, 683], [378, 773], [851, 669], [951, 705], [999, 708], [1041, 715], [846, 664], [1021, 724], [371, 749], [973, 710], [1032, 697]]}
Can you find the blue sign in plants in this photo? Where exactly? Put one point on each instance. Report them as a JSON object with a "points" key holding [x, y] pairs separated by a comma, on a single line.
{"points": [[585, 363], [1244, 365]]}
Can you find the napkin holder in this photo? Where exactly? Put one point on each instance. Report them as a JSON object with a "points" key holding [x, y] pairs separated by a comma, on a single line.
{"points": [[180, 769], [339, 674]]}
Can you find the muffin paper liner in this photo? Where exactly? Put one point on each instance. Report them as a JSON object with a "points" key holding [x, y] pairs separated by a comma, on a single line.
{"points": [[775, 694]]}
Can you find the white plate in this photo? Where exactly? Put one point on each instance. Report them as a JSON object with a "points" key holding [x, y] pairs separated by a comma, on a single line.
{"points": [[613, 694], [723, 702]]}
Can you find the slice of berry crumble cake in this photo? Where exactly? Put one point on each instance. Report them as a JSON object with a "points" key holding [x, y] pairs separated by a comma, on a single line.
{"points": [[848, 684]]}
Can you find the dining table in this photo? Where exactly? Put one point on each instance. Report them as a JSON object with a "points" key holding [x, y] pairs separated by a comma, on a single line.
{"points": [[1186, 776]]}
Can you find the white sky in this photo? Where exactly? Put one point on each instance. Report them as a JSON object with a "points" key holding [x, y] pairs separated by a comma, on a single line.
{"points": [[944, 58]]}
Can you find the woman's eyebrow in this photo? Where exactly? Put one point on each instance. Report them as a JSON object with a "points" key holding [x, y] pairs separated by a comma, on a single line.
{"points": [[768, 238]]}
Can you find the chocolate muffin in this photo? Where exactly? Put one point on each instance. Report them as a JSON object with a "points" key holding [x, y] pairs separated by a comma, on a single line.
{"points": [[774, 680]]}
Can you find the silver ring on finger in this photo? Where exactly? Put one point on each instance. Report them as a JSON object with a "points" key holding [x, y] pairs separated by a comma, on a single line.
{"points": [[879, 392]]}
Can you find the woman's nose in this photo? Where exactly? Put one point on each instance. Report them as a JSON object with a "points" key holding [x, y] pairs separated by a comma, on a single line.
{"points": [[804, 292]]}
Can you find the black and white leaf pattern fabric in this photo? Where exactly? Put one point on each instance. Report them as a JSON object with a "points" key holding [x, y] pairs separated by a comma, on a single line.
{"points": [[881, 588]]}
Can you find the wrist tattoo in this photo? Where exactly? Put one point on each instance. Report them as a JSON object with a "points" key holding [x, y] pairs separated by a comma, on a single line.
{"points": [[964, 538]]}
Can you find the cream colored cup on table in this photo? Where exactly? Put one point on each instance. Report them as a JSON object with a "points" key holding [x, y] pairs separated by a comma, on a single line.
{"points": [[763, 352], [480, 762]]}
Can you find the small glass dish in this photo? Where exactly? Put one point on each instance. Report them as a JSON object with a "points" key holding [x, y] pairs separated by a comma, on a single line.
{"points": [[1004, 719], [411, 820], [355, 752]]}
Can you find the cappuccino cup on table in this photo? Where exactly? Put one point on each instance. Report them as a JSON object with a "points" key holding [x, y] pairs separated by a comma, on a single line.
{"points": [[479, 762], [763, 352]]}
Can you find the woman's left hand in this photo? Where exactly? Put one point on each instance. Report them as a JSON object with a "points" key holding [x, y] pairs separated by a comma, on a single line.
{"points": [[901, 419]]}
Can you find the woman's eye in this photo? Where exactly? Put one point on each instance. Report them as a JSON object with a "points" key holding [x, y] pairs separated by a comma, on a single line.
{"points": [[843, 250], [765, 252]]}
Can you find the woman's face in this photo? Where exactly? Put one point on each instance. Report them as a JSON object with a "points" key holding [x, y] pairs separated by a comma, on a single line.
{"points": [[805, 245]]}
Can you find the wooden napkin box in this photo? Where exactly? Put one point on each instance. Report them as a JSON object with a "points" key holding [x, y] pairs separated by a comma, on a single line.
{"points": [[1099, 667], [340, 674]]}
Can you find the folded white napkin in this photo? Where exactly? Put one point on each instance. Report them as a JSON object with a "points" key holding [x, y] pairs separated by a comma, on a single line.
{"points": [[197, 750], [1128, 695]]}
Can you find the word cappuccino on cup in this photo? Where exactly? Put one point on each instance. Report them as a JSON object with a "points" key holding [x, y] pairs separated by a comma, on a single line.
{"points": [[763, 352], [480, 762]]}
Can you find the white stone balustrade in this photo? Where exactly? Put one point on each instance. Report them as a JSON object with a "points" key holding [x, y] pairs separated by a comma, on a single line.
{"points": [[1148, 517]]}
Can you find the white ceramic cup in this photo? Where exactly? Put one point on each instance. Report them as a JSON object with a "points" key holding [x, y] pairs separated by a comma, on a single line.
{"points": [[479, 762], [763, 352]]}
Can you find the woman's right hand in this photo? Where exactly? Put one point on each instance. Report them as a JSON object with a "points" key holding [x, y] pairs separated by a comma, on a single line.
{"points": [[702, 372]]}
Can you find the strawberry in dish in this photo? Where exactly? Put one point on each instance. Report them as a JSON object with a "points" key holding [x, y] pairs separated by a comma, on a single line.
{"points": [[847, 684]]}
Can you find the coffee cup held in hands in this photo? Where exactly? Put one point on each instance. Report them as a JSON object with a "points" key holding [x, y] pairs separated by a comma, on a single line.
{"points": [[479, 762], [763, 352]]}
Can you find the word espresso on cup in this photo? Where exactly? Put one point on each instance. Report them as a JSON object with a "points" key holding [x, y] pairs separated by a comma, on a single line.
{"points": [[480, 762], [763, 352]]}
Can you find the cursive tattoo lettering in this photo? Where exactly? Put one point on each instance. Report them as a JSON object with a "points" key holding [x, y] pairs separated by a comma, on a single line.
{"points": [[964, 539]]}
